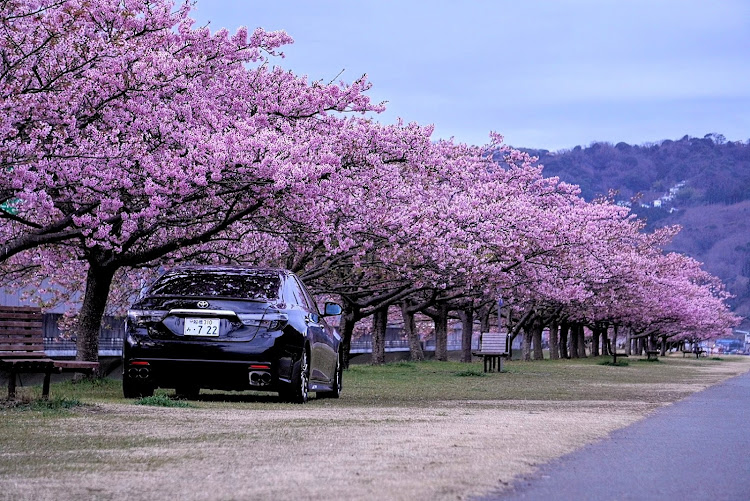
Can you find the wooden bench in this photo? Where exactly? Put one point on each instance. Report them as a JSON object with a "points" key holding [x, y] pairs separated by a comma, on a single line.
{"points": [[614, 353], [652, 354], [493, 347], [22, 349], [696, 351]]}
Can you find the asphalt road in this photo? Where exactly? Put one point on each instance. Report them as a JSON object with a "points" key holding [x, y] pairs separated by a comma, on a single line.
{"points": [[695, 449]]}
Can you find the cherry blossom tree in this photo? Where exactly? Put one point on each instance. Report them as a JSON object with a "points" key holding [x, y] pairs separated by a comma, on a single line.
{"points": [[130, 134]]}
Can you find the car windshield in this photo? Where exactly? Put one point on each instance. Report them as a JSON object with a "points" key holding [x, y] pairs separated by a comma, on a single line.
{"points": [[241, 285]]}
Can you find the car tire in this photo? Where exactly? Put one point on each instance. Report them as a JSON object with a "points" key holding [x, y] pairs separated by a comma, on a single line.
{"points": [[336, 392], [298, 391], [187, 392], [131, 389]]}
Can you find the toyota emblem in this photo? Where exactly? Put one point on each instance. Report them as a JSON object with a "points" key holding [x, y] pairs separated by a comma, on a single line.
{"points": [[202, 304]]}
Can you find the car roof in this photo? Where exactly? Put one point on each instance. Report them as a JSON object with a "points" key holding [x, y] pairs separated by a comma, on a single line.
{"points": [[230, 269]]}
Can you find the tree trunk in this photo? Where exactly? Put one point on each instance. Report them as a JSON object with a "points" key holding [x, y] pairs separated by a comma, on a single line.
{"points": [[441, 332], [581, 341], [467, 329], [564, 329], [410, 328], [526, 343], [537, 327], [554, 346], [663, 350], [574, 351], [511, 339], [379, 324], [484, 319], [98, 282], [346, 329]]}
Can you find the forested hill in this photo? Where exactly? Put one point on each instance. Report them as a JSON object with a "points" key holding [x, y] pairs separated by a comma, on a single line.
{"points": [[702, 184]]}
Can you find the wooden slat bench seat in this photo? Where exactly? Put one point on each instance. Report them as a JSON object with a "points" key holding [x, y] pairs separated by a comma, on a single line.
{"points": [[22, 349], [493, 347]]}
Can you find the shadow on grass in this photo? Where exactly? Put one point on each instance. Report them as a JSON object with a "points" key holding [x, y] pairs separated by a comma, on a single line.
{"points": [[237, 397], [470, 373], [623, 363]]}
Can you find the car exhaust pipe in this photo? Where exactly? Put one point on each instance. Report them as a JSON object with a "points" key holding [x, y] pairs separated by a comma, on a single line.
{"points": [[139, 372], [260, 378]]}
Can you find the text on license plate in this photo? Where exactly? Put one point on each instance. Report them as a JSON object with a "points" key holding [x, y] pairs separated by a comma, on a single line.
{"points": [[201, 327]]}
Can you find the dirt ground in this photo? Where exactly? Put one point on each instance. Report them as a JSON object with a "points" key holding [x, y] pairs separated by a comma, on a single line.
{"points": [[452, 450]]}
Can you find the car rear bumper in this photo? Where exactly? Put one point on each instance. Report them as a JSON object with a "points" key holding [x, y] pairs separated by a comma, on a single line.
{"points": [[222, 366], [224, 375]]}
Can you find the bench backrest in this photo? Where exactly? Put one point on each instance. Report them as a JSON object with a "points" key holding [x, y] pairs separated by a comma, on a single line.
{"points": [[21, 334], [493, 342]]}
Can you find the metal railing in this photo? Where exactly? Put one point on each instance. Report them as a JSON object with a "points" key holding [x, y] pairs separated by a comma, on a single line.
{"points": [[56, 347], [112, 346], [365, 345]]}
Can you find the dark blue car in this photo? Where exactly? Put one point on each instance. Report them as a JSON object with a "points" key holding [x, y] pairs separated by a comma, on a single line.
{"points": [[230, 328]]}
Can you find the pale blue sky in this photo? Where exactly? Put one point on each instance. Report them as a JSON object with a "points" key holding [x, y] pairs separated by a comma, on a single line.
{"points": [[544, 73]]}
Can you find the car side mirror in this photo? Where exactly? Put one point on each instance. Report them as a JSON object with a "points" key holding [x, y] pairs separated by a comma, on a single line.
{"points": [[332, 309]]}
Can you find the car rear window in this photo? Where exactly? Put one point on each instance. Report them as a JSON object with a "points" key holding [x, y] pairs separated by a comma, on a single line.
{"points": [[215, 283]]}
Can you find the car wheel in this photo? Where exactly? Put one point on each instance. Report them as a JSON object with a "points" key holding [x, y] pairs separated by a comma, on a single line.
{"points": [[188, 392], [336, 392], [298, 390], [131, 389]]}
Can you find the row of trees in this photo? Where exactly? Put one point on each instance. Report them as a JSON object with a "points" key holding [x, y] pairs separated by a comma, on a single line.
{"points": [[132, 140]]}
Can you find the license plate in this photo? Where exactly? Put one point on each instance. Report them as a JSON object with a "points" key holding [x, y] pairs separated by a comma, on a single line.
{"points": [[201, 327]]}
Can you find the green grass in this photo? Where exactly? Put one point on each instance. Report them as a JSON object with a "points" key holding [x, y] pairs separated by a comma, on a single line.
{"points": [[594, 378], [100, 389], [53, 406], [431, 382], [162, 400]]}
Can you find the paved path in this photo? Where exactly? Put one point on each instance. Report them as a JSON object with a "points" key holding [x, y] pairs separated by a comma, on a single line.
{"points": [[695, 449]]}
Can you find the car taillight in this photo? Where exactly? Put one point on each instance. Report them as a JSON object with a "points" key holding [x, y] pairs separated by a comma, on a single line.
{"points": [[260, 366], [271, 322], [145, 317]]}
